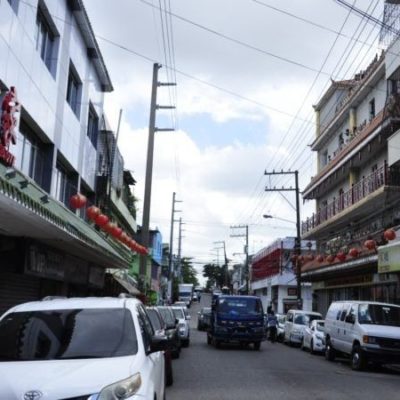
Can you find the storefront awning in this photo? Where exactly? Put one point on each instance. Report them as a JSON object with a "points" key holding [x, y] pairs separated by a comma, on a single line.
{"points": [[127, 286]]}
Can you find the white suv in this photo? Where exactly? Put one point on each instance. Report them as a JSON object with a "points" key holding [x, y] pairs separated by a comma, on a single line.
{"points": [[183, 318], [86, 348]]}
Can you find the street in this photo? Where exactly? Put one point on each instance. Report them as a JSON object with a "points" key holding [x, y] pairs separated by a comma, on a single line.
{"points": [[276, 371]]}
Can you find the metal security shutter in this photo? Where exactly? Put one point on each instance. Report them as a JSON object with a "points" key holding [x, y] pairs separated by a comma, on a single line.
{"points": [[16, 289]]}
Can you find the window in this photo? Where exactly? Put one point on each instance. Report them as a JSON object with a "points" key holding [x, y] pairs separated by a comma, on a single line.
{"points": [[145, 327], [74, 90], [67, 334], [45, 39], [64, 187], [372, 109], [14, 5], [93, 126]]}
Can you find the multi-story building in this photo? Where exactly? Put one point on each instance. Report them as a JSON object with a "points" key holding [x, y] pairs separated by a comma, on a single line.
{"points": [[50, 55], [357, 185], [273, 277]]}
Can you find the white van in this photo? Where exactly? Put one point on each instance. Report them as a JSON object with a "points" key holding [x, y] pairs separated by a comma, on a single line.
{"points": [[296, 322], [365, 331]]}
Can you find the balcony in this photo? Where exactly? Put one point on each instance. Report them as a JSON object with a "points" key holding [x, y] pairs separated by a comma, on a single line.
{"points": [[371, 187]]}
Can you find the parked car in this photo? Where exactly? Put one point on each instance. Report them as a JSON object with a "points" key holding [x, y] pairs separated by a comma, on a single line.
{"points": [[171, 330], [183, 325], [180, 304], [313, 337], [158, 325], [364, 331], [204, 318], [80, 348], [280, 329], [295, 324]]}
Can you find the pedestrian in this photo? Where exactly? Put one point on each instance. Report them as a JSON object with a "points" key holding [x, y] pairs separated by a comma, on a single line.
{"points": [[272, 323]]}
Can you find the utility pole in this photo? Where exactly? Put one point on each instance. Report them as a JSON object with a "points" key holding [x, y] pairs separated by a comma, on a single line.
{"points": [[297, 246], [171, 244], [180, 251], [225, 265], [149, 170], [246, 251]]}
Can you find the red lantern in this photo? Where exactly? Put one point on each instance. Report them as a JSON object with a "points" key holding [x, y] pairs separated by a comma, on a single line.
{"points": [[389, 234], [108, 227], [77, 201], [92, 212], [310, 257], [320, 258], [101, 220], [354, 252], [330, 258], [370, 244], [341, 256], [123, 237], [116, 232]]}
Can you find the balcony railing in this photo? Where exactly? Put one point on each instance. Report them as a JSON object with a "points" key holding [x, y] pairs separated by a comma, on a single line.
{"points": [[380, 177]]}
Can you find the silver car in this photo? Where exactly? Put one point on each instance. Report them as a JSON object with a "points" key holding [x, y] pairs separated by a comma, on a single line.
{"points": [[183, 325]]}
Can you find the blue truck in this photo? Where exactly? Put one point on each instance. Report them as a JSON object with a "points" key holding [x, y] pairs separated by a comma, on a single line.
{"points": [[236, 319]]}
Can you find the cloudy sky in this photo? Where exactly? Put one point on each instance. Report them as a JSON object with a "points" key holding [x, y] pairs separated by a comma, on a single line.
{"points": [[247, 74]]}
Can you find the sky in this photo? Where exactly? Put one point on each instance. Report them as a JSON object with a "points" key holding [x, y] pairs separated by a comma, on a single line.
{"points": [[247, 74]]}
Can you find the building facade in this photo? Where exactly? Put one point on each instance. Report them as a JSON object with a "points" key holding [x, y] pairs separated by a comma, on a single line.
{"points": [[50, 55], [273, 277], [356, 187]]}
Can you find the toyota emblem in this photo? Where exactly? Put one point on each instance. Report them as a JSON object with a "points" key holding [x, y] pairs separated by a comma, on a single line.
{"points": [[33, 395]]}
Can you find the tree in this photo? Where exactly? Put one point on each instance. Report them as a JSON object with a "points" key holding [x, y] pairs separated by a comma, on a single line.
{"points": [[189, 274], [215, 275]]}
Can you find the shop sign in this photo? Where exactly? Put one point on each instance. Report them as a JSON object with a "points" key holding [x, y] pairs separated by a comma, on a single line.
{"points": [[76, 270], [292, 291], [389, 258], [46, 264], [349, 281]]}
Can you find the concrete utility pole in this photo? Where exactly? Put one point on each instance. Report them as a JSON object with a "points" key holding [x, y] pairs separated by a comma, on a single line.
{"points": [[149, 168], [297, 246], [246, 251], [225, 266], [180, 251], [171, 244]]}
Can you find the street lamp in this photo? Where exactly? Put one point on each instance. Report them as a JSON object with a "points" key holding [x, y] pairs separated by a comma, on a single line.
{"points": [[266, 216]]}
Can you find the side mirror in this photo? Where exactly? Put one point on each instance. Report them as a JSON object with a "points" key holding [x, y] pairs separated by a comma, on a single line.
{"points": [[176, 321], [350, 319], [158, 343]]}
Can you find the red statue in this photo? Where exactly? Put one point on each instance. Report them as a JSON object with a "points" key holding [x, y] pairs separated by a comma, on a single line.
{"points": [[9, 107]]}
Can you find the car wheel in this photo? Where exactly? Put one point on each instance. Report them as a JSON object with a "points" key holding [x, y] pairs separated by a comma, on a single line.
{"points": [[330, 352], [358, 359], [217, 344], [208, 339], [312, 351], [257, 345], [302, 346]]}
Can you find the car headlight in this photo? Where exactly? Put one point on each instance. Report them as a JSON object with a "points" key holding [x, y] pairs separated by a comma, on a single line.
{"points": [[121, 390], [370, 339]]}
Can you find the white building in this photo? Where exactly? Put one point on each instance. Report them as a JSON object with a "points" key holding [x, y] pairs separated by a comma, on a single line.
{"points": [[50, 55], [273, 279]]}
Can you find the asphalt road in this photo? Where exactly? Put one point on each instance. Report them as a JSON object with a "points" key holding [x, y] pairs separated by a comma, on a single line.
{"points": [[276, 372]]}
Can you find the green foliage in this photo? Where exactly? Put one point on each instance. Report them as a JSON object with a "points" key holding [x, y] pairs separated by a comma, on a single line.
{"points": [[189, 274], [215, 275]]}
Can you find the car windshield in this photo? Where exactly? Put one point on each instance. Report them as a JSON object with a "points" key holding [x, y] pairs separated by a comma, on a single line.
{"points": [[281, 319], [237, 306], [167, 316], [379, 314], [179, 313], [206, 310], [305, 319], [155, 321], [67, 334]]}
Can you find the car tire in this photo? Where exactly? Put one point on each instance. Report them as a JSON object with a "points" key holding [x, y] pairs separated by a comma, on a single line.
{"points": [[257, 345], [217, 344], [208, 339], [330, 352], [358, 359], [302, 346]]}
